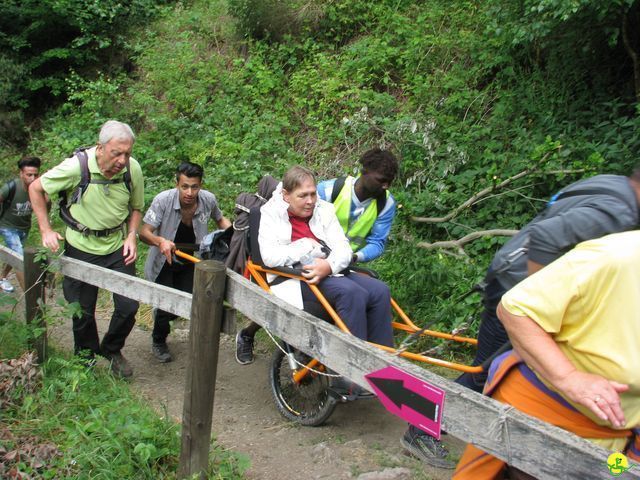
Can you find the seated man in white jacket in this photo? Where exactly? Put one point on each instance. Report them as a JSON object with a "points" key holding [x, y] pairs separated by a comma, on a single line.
{"points": [[295, 225]]}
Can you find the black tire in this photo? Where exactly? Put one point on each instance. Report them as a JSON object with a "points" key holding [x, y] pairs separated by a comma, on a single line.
{"points": [[308, 403]]}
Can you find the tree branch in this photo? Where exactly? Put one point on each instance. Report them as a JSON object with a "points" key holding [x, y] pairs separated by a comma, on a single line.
{"points": [[472, 200], [460, 243], [483, 193]]}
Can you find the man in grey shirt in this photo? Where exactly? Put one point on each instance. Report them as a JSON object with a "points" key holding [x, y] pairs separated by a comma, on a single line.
{"points": [[179, 215], [584, 210]]}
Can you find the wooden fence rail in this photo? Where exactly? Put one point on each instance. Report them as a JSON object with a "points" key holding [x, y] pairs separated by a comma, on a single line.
{"points": [[544, 451], [11, 257]]}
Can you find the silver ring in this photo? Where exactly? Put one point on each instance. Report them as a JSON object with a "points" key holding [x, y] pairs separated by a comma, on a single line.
{"points": [[597, 399]]}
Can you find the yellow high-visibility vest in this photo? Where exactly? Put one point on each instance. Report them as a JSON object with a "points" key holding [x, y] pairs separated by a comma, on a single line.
{"points": [[359, 229]]}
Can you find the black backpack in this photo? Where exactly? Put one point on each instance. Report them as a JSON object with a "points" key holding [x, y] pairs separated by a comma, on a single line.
{"points": [[6, 202], [215, 245], [239, 244], [85, 180]]}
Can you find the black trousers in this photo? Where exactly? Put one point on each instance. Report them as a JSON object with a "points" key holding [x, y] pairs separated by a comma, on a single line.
{"points": [[85, 331], [491, 336], [174, 276]]}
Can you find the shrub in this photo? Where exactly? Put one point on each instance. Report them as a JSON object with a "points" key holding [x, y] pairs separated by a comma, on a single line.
{"points": [[274, 19]]}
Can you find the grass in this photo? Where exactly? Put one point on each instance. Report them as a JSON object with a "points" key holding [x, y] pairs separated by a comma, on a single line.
{"points": [[99, 428]]}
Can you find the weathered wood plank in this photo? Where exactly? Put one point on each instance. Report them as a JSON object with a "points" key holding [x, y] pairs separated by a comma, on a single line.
{"points": [[165, 298], [158, 296], [34, 298], [204, 343], [12, 258], [535, 447]]}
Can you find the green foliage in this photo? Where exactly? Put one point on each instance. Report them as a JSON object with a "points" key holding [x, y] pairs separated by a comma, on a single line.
{"points": [[273, 19], [469, 94], [537, 19], [42, 42], [13, 335], [101, 428]]}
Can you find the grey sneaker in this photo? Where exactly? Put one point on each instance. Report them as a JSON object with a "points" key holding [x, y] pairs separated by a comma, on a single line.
{"points": [[427, 449], [119, 365], [6, 286], [161, 352], [244, 349]]}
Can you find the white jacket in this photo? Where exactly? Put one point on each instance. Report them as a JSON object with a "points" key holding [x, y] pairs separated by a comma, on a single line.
{"points": [[277, 249]]}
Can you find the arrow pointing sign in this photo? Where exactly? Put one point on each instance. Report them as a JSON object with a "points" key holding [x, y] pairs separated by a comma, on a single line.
{"points": [[410, 398]]}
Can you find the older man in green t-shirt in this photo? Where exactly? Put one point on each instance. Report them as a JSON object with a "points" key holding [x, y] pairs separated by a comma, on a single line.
{"points": [[102, 219]]}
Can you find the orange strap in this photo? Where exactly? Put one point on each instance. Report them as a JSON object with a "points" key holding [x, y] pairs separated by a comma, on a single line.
{"points": [[516, 390]]}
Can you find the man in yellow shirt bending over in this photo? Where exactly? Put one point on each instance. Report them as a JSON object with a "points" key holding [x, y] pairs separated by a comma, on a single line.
{"points": [[574, 326]]}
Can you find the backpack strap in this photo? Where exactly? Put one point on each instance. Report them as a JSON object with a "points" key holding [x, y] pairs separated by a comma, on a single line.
{"points": [[337, 188], [85, 175], [12, 191], [76, 196], [6, 202], [381, 202], [126, 178]]}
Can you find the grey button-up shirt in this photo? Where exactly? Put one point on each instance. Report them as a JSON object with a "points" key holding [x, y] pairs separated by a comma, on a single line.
{"points": [[164, 216]]}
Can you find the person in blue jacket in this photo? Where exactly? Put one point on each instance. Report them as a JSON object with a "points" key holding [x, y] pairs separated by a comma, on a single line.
{"points": [[364, 206]]}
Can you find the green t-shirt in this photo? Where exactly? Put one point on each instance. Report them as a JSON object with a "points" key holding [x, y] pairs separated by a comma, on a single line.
{"points": [[101, 207], [18, 214]]}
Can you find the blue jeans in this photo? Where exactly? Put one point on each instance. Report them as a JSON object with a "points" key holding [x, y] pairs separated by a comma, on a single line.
{"points": [[14, 239]]}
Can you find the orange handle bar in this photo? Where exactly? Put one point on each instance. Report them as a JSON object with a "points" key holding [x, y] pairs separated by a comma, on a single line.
{"points": [[186, 256]]}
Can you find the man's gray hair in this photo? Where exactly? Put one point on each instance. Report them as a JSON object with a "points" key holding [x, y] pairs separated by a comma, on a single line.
{"points": [[115, 129]]}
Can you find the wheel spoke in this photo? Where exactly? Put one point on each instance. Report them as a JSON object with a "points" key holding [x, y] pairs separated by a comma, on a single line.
{"points": [[308, 402]]}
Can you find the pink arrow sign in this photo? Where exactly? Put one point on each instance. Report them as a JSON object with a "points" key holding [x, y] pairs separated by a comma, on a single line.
{"points": [[410, 398]]}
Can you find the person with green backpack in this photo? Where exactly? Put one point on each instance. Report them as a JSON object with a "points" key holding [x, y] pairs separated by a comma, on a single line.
{"points": [[15, 214]]}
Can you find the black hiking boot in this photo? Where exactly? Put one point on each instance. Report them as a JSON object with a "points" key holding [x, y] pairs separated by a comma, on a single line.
{"points": [[161, 352], [119, 365]]}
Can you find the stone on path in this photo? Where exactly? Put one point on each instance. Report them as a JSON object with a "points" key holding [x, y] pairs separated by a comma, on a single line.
{"points": [[397, 473]]}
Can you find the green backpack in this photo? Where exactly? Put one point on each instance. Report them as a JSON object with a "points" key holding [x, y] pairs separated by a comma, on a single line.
{"points": [[6, 203]]}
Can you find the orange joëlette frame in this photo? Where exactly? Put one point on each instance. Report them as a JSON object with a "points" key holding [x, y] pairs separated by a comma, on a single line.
{"points": [[256, 272], [407, 325]]}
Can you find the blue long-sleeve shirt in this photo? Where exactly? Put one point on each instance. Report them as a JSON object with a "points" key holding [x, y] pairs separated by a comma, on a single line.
{"points": [[377, 238]]}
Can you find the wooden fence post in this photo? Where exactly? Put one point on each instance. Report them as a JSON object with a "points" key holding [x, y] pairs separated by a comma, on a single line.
{"points": [[34, 295], [204, 338]]}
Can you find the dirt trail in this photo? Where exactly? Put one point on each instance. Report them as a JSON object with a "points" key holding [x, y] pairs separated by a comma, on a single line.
{"points": [[360, 437]]}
